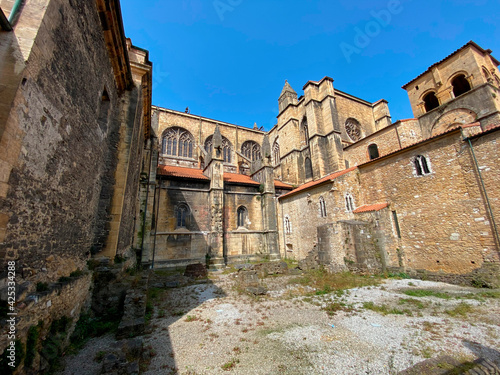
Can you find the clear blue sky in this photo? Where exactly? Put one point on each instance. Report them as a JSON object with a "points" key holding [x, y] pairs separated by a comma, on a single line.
{"points": [[228, 59]]}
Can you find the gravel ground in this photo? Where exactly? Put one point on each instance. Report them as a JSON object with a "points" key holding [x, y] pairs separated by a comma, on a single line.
{"points": [[211, 329]]}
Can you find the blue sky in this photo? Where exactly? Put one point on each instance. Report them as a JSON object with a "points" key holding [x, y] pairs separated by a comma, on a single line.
{"points": [[228, 59]]}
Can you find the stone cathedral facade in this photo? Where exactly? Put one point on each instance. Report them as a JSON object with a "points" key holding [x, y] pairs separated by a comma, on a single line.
{"points": [[336, 182]]}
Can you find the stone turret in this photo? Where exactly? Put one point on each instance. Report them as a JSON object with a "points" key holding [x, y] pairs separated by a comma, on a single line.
{"points": [[288, 96]]}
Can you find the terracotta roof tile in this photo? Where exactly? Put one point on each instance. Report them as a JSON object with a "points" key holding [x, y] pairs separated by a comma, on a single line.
{"points": [[311, 184], [370, 207], [281, 185], [190, 173], [450, 130], [239, 178]]}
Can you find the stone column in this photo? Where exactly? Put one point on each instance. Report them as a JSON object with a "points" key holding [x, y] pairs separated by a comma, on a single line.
{"points": [[215, 171], [269, 217]]}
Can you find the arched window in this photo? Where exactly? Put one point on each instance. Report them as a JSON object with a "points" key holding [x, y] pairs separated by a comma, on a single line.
{"points": [[373, 151], [226, 148], [460, 85], [431, 101], [181, 215], [353, 129], [421, 165], [308, 168], [322, 207], [242, 216], [288, 225], [486, 73], [349, 202], [276, 152], [177, 142], [251, 150], [304, 132]]}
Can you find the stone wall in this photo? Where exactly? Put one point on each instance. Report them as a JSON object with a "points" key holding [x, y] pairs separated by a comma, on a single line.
{"points": [[442, 216], [60, 171]]}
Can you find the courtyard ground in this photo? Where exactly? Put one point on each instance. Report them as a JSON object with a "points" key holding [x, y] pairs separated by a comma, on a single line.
{"points": [[310, 323]]}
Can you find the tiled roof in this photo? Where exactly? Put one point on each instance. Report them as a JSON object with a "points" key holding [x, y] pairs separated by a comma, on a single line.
{"points": [[282, 185], [450, 130], [470, 43], [171, 171], [311, 184], [239, 179], [370, 207]]}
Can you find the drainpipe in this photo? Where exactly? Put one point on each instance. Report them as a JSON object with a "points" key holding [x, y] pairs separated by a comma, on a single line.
{"points": [[156, 223], [14, 10], [482, 185], [147, 195]]}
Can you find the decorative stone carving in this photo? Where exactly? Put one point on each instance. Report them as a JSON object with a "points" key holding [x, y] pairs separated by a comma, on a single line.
{"points": [[353, 129]]}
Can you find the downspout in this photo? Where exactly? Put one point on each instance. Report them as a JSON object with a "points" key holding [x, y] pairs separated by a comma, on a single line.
{"points": [[156, 223], [14, 10], [482, 184], [147, 195]]}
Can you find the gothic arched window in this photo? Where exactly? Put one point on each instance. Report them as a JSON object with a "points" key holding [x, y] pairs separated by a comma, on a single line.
{"points": [[304, 132], [460, 85], [430, 101], [181, 215], [421, 165], [353, 129], [251, 150], [322, 207], [308, 168], [177, 142], [242, 216], [276, 152], [227, 148]]}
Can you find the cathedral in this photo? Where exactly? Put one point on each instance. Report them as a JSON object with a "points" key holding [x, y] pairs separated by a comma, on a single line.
{"points": [[335, 182], [92, 173]]}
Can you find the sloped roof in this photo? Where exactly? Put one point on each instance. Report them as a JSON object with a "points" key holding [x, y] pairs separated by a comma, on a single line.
{"points": [[197, 174], [370, 207], [470, 43], [237, 178], [287, 88], [437, 135], [311, 184], [281, 185], [190, 173]]}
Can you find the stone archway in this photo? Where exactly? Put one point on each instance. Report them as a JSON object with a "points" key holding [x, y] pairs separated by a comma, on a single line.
{"points": [[455, 117]]}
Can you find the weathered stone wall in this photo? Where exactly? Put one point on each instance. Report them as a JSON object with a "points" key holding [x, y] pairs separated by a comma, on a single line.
{"points": [[56, 181], [442, 216], [304, 214]]}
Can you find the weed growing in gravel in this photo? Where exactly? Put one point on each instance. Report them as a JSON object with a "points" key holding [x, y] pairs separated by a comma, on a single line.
{"points": [[325, 282], [191, 318], [383, 309], [426, 293], [99, 356], [412, 301], [228, 366], [461, 309], [334, 307]]}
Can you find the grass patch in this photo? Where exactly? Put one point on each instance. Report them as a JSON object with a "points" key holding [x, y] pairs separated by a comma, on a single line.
{"points": [[461, 309], [334, 307], [88, 327], [382, 309], [42, 287], [426, 293], [325, 282], [412, 301], [191, 318], [228, 366]]}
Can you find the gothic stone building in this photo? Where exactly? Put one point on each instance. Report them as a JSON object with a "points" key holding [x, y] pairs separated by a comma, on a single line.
{"points": [[335, 181]]}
